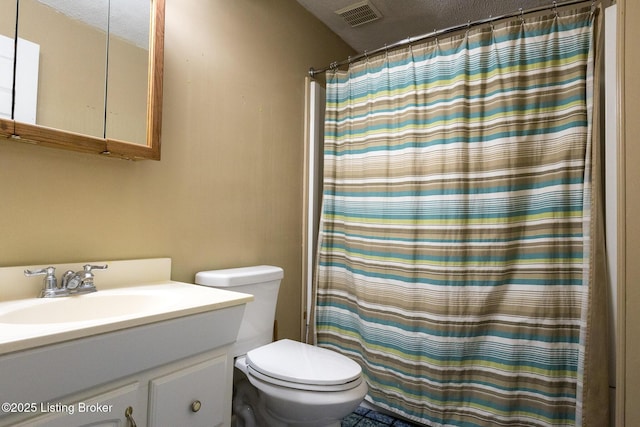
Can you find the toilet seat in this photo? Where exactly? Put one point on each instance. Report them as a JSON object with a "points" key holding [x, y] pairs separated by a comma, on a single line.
{"points": [[301, 366]]}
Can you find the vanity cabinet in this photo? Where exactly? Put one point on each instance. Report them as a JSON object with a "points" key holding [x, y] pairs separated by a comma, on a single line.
{"points": [[194, 396], [160, 347], [195, 392], [102, 410], [177, 372]]}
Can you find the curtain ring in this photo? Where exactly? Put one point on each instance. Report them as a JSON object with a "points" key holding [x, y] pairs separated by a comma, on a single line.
{"points": [[409, 42], [555, 8], [493, 28], [521, 15]]}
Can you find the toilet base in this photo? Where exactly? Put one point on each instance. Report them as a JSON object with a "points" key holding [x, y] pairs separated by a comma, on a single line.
{"points": [[252, 407], [248, 409], [242, 413]]}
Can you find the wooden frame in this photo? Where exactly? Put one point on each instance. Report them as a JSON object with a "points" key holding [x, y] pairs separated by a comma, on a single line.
{"points": [[56, 138]]}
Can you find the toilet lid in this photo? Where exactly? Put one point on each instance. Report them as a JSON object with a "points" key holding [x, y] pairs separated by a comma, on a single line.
{"points": [[295, 362]]}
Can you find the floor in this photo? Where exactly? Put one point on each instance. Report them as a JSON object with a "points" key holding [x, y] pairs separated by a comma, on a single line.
{"points": [[363, 417]]}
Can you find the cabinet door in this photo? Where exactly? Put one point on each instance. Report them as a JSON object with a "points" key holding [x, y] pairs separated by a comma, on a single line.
{"points": [[104, 410], [195, 396]]}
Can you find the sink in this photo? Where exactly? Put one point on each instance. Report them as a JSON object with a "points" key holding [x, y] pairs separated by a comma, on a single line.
{"points": [[80, 308], [34, 322], [139, 321]]}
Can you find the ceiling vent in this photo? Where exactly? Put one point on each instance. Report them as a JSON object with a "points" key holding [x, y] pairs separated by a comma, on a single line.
{"points": [[359, 13]]}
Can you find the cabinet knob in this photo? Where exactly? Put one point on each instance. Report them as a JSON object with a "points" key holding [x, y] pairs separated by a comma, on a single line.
{"points": [[196, 405]]}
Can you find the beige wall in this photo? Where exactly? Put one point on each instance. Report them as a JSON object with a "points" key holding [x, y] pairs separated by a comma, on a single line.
{"points": [[8, 18], [228, 190], [631, 134]]}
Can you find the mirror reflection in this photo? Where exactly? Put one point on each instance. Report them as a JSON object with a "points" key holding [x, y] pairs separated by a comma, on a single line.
{"points": [[70, 41], [128, 68], [7, 35]]}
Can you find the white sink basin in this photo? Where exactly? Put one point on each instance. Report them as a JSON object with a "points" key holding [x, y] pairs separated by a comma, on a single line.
{"points": [[95, 306], [34, 322]]}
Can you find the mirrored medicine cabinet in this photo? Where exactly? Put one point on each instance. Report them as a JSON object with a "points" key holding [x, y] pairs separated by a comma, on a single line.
{"points": [[83, 75]]}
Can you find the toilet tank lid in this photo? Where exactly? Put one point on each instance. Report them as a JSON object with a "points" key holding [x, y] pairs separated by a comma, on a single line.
{"points": [[239, 276]]}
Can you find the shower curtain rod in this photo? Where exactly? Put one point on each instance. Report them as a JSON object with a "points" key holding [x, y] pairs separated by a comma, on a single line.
{"points": [[409, 40]]}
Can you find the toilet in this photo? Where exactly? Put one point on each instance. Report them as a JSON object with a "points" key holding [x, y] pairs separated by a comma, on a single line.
{"points": [[282, 383]]}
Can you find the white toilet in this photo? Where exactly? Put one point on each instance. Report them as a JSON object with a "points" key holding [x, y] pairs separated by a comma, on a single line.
{"points": [[289, 383]]}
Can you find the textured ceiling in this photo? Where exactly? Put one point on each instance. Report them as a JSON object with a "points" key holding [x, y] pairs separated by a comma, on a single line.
{"points": [[410, 18], [129, 19]]}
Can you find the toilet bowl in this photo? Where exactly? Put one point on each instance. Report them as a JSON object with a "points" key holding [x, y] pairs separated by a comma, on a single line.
{"points": [[304, 385], [283, 383]]}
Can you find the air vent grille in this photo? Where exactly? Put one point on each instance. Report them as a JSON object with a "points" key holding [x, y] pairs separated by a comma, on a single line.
{"points": [[359, 13]]}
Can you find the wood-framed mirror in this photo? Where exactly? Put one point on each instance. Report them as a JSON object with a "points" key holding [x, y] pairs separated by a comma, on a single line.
{"points": [[102, 124]]}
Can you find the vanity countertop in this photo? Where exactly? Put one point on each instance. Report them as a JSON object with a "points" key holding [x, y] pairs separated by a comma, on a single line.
{"points": [[19, 331], [31, 322]]}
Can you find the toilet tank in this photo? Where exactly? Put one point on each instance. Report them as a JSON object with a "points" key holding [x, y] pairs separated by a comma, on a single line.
{"points": [[263, 282]]}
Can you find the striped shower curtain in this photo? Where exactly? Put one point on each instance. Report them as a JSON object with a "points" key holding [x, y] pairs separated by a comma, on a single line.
{"points": [[457, 241]]}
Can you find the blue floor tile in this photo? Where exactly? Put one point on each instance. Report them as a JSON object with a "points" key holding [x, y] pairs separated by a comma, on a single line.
{"points": [[364, 417]]}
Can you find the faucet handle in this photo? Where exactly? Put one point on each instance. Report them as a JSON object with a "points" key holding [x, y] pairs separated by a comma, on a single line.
{"points": [[50, 281], [40, 272], [89, 267], [86, 276], [50, 287]]}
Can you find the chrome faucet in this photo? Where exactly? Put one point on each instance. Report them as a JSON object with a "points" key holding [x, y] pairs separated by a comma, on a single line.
{"points": [[73, 283]]}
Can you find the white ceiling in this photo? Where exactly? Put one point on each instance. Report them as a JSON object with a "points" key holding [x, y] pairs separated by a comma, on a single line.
{"points": [[410, 18]]}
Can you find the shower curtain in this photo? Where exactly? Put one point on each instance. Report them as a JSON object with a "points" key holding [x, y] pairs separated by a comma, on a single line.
{"points": [[459, 258]]}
